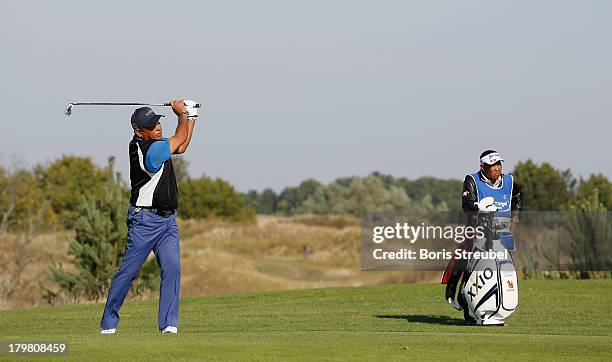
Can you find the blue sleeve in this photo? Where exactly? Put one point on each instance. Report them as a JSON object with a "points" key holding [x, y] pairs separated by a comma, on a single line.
{"points": [[158, 153]]}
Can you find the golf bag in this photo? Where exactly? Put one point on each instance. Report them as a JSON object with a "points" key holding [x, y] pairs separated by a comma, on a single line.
{"points": [[490, 291]]}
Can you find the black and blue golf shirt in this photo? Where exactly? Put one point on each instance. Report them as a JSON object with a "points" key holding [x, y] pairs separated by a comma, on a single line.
{"points": [[152, 175]]}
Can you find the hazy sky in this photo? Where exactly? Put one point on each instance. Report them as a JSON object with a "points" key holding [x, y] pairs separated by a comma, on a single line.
{"points": [[318, 89]]}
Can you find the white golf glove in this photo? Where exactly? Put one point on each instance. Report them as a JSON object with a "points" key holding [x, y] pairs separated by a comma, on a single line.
{"points": [[487, 204], [192, 111]]}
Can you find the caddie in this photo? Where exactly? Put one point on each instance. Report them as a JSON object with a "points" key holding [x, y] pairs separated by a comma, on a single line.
{"points": [[151, 217], [486, 189]]}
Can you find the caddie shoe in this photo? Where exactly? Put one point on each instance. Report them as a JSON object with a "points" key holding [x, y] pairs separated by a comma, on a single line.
{"points": [[108, 331], [170, 329]]}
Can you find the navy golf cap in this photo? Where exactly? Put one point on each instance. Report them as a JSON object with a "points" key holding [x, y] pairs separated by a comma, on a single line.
{"points": [[144, 117]]}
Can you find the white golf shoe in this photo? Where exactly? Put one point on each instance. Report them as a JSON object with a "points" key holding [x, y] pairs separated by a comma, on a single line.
{"points": [[108, 331], [170, 329]]}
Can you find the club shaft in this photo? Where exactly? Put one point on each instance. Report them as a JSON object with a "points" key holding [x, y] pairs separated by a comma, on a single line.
{"points": [[125, 104]]}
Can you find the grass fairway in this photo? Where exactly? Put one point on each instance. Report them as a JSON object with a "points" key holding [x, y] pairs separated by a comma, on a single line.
{"points": [[565, 319]]}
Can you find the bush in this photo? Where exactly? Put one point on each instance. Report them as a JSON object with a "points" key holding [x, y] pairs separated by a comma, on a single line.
{"points": [[22, 202], [204, 197], [64, 181]]}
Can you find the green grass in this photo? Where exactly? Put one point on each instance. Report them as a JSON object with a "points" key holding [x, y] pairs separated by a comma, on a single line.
{"points": [[560, 319]]}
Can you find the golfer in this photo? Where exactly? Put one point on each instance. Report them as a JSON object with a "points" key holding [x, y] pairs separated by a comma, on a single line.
{"points": [[151, 217]]}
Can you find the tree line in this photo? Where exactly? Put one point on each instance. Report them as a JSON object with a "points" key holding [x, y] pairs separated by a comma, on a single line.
{"points": [[543, 188], [50, 194], [54, 192]]}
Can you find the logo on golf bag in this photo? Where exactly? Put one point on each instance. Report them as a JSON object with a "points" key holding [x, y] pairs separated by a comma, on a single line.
{"points": [[480, 282], [510, 284]]}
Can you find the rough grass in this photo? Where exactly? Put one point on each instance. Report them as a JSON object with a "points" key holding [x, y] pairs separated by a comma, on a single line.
{"points": [[229, 257], [560, 319], [270, 255]]}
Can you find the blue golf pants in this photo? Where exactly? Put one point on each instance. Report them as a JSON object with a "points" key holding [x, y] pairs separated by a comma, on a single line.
{"points": [[146, 232]]}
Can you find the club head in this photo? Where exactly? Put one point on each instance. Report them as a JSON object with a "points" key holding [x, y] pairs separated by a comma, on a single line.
{"points": [[454, 304], [68, 110]]}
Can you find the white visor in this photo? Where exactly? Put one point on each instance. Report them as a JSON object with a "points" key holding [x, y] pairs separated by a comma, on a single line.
{"points": [[491, 158]]}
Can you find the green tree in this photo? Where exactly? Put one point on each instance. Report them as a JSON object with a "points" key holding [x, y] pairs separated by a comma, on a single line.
{"points": [[204, 197], [544, 187], [358, 196], [97, 248], [266, 202], [66, 180], [292, 198], [22, 202], [590, 228], [586, 189], [251, 199], [262, 203], [181, 168], [440, 191]]}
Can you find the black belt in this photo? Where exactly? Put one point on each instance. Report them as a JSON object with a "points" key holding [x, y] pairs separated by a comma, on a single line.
{"points": [[159, 212]]}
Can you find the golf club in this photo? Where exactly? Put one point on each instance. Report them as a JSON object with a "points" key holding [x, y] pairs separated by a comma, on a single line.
{"points": [[68, 110], [454, 304]]}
